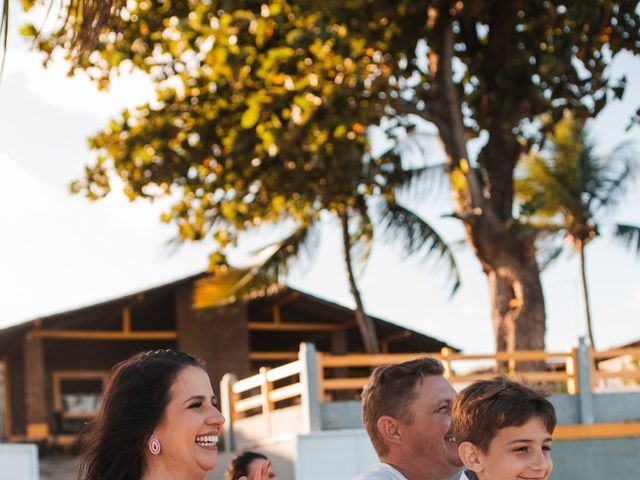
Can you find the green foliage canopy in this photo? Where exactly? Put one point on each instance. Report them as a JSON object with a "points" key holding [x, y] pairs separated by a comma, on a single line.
{"points": [[260, 117]]}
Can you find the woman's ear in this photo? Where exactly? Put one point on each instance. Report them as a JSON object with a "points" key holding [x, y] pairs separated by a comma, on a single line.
{"points": [[471, 456], [389, 428]]}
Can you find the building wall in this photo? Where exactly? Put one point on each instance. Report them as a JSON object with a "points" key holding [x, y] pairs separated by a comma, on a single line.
{"points": [[15, 370], [88, 355], [219, 337]]}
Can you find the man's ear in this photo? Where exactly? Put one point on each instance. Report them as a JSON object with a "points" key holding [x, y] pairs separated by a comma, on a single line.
{"points": [[471, 456], [389, 429]]}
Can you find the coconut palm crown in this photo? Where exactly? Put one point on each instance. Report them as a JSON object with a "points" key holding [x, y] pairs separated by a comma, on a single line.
{"points": [[567, 189]]}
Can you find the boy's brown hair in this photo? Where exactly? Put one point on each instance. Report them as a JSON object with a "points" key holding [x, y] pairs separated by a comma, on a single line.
{"points": [[390, 391], [486, 406]]}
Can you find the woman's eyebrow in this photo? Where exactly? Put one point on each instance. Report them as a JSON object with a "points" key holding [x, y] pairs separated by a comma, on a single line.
{"points": [[194, 397]]}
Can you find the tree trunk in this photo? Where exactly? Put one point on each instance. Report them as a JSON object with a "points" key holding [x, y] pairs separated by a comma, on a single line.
{"points": [[585, 291], [505, 250], [365, 324], [517, 301]]}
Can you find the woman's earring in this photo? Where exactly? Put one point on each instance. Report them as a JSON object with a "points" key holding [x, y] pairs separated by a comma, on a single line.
{"points": [[154, 445]]}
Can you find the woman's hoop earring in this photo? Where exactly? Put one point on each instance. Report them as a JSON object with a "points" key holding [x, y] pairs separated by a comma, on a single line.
{"points": [[154, 445]]}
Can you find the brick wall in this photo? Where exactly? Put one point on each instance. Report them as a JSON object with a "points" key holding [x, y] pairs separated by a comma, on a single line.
{"points": [[218, 337]]}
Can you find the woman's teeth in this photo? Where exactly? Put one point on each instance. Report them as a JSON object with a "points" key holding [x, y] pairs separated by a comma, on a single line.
{"points": [[207, 440]]}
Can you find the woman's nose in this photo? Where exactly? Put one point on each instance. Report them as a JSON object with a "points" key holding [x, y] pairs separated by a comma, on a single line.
{"points": [[215, 417]]}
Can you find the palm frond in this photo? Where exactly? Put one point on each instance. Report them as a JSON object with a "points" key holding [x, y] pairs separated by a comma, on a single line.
{"points": [[416, 237], [227, 284], [620, 171], [404, 162], [549, 246], [629, 235]]}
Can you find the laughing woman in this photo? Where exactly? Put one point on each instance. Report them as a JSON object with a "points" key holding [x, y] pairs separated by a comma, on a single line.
{"points": [[159, 420]]}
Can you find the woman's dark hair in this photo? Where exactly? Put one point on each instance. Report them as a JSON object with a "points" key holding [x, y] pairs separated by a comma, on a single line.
{"points": [[239, 466], [132, 406]]}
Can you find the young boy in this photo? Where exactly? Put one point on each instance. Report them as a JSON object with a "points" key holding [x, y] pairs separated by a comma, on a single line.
{"points": [[503, 430]]}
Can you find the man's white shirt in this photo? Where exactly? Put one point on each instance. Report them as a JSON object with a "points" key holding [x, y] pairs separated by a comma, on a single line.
{"points": [[381, 471]]}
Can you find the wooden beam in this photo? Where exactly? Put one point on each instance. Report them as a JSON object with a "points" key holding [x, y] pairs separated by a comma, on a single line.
{"points": [[267, 356], [276, 314], [8, 424], [597, 430], [126, 320], [292, 327], [397, 336], [103, 335]]}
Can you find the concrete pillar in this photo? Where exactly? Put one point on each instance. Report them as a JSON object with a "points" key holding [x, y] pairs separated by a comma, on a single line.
{"points": [[220, 337], [227, 397], [34, 389], [585, 394], [311, 415]]}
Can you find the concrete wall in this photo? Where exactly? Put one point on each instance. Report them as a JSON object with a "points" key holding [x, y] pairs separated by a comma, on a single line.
{"points": [[335, 455], [616, 459], [341, 454], [608, 407], [341, 415], [19, 462], [254, 431]]}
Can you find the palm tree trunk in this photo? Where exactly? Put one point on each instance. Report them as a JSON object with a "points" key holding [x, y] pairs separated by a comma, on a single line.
{"points": [[585, 290], [365, 324]]}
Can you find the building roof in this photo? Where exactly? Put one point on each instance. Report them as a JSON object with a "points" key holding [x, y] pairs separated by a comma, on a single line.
{"points": [[299, 303]]}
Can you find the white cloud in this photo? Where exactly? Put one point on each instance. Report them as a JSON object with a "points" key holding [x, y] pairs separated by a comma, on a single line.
{"points": [[77, 93]]}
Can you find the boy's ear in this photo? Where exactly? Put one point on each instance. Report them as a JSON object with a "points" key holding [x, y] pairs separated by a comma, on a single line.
{"points": [[470, 455], [389, 428]]}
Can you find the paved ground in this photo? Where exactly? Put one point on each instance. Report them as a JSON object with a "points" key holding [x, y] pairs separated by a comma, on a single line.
{"points": [[58, 468], [64, 467]]}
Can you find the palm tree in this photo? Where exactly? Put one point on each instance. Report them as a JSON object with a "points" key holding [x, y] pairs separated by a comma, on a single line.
{"points": [[397, 224], [358, 214], [568, 189]]}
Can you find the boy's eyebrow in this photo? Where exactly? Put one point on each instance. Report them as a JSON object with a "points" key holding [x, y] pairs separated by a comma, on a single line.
{"points": [[528, 440]]}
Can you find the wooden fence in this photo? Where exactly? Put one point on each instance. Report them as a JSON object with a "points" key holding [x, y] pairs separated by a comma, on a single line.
{"points": [[285, 385]]}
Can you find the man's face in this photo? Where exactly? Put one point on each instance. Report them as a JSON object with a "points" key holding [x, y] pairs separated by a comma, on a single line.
{"points": [[518, 453], [428, 442]]}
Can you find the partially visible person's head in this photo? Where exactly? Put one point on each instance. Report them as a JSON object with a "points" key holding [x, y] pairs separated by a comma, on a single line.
{"points": [[247, 464], [161, 395], [406, 410], [504, 430]]}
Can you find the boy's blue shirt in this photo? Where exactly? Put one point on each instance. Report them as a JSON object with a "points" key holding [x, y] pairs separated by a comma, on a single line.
{"points": [[468, 475]]}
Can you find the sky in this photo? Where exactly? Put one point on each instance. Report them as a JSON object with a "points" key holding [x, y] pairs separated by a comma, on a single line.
{"points": [[59, 251]]}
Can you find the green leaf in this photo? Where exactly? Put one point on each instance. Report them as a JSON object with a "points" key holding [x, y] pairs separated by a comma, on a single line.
{"points": [[250, 116]]}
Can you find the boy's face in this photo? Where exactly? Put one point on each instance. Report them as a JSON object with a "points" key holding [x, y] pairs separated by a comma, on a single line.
{"points": [[516, 453]]}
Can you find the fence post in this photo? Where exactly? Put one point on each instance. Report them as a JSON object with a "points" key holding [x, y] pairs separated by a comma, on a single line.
{"points": [[227, 398], [309, 380], [446, 363], [265, 390], [585, 392], [570, 366]]}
